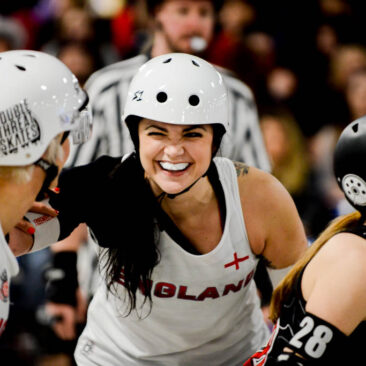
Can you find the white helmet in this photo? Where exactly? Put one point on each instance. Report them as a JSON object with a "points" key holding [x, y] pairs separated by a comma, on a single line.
{"points": [[39, 98], [178, 88]]}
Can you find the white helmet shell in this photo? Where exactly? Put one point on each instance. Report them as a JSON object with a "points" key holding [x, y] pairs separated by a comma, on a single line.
{"points": [[39, 98], [178, 88]]}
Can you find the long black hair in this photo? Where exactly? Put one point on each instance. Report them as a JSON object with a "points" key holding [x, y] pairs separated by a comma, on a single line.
{"points": [[130, 262]]}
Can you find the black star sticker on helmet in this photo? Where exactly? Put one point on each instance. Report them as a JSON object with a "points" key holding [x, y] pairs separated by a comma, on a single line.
{"points": [[138, 95]]}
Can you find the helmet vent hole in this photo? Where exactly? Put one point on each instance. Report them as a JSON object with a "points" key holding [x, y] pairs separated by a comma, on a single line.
{"points": [[355, 128], [29, 55], [22, 68], [167, 61], [195, 63], [194, 100], [161, 97]]}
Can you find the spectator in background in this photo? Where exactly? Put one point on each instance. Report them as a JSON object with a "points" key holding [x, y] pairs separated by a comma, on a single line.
{"points": [[347, 60], [288, 151], [228, 48], [281, 90], [76, 24], [355, 93], [130, 28], [339, 16], [241, 45], [12, 34], [262, 47], [80, 58], [49, 13]]}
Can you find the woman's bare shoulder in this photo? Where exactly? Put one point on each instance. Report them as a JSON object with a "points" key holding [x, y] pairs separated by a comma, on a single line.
{"points": [[347, 249], [259, 185]]}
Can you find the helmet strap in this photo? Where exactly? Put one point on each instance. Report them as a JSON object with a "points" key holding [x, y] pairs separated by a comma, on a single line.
{"points": [[51, 171]]}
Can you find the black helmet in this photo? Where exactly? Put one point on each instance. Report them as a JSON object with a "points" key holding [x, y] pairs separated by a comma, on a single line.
{"points": [[152, 4], [350, 165]]}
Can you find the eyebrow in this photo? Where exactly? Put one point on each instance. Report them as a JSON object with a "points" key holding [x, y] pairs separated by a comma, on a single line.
{"points": [[189, 128]]}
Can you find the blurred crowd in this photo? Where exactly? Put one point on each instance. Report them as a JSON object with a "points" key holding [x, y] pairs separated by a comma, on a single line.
{"points": [[305, 62]]}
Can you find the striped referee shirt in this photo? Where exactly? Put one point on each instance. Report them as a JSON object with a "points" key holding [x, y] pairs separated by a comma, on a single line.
{"points": [[107, 89]]}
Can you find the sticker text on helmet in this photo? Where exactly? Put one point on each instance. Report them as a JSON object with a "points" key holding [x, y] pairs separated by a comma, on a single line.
{"points": [[18, 128]]}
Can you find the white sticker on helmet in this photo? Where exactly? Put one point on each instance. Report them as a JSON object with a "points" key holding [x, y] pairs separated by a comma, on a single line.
{"points": [[18, 129], [354, 187]]}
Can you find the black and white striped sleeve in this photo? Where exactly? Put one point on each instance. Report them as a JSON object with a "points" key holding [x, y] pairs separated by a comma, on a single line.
{"points": [[244, 141], [107, 91]]}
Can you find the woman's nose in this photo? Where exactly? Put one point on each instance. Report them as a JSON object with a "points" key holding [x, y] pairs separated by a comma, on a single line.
{"points": [[174, 150]]}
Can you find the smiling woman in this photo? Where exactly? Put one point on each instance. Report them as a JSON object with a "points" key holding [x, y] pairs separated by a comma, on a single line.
{"points": [[174, 157], [179, 255]]}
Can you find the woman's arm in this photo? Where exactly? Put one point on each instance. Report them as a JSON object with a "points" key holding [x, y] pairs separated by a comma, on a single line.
{"points": [[273, 224]]}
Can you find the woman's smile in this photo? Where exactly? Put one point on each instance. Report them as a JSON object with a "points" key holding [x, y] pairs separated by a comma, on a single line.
{"points": [[174, 167]]}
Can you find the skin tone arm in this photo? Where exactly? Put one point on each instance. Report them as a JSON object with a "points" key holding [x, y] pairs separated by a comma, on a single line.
{"points": [[334, 282], [274, 227]]}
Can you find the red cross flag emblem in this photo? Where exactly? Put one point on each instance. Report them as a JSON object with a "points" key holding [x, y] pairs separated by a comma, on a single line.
{"points": [[236, 261]]}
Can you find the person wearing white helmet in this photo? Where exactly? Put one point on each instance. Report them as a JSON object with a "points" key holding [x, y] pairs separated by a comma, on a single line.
{"points": [[40, 103], [178, 26], [320, 306], [181, 230]]}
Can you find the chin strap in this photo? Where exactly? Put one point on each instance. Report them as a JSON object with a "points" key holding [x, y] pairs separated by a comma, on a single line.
{"points": [[173, 195], [51, 171]]}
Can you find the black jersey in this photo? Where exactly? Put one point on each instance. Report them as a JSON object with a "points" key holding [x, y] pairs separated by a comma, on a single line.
{"points": [[90, 194], [293, 312], [342, 350]]}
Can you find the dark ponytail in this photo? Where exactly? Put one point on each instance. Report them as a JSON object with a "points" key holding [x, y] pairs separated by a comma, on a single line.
{"points": [[131, 261]]}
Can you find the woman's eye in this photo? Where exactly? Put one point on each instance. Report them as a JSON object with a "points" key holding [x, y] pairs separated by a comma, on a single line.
{"points": [[193, 134], [155, 134]]}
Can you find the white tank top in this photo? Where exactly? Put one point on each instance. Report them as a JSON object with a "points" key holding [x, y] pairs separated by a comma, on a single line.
{"points": [[8, 268], [205, 309]]}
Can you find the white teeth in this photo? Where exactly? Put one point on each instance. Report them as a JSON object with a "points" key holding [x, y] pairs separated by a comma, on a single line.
{"points": [[176, 167]]}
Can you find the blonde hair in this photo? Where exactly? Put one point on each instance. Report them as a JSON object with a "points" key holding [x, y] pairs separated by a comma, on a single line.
{"points": [[23, 174], [293, 170], [285, 287]]}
